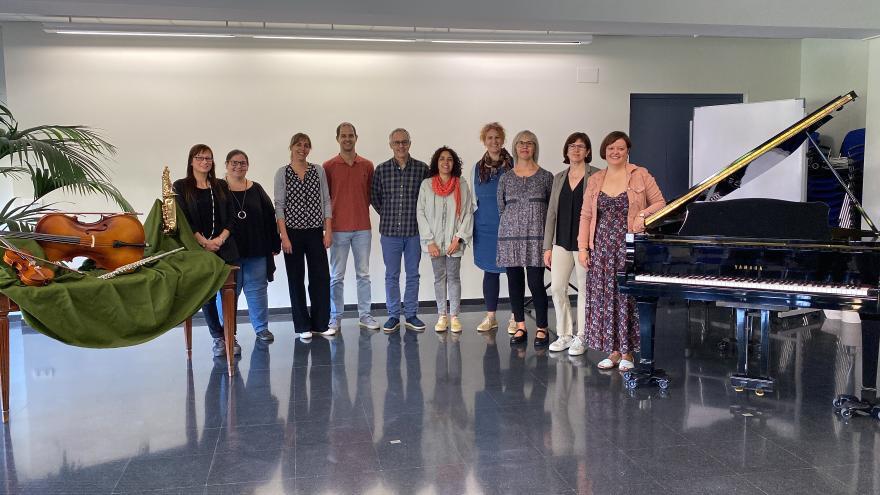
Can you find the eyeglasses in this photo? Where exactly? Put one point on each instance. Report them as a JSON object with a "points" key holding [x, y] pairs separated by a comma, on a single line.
{"points": [[405, 142], [239, 164], [576, 146], [525, 144], [203, 159]]}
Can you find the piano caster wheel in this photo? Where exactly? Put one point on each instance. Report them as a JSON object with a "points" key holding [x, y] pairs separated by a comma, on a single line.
{"points": [[663, 383], [759, 392], [738, 389]]}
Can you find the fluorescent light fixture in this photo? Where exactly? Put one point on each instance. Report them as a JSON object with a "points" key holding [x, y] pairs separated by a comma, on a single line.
{"points": [[509, 42], [366, 34], [327, 38], [138, 33]]}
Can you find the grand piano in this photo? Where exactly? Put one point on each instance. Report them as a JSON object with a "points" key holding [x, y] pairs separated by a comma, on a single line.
{"points": [[756, 255]]}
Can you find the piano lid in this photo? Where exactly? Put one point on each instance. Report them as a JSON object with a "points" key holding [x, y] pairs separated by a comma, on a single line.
{"points": [[755, 162]]}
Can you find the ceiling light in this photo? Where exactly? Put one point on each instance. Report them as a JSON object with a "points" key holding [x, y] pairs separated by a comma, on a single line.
{"points": [[139, 33], [328, 38]]}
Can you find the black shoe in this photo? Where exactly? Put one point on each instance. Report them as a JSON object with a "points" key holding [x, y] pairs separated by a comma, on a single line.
{"points": [[542, 341], [520, 337]]}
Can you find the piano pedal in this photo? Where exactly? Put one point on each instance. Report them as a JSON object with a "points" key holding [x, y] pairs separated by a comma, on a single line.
{"points": [[761, 386]]}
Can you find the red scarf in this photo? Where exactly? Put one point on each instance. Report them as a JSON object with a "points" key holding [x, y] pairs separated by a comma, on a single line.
{"points": [[441, 189]]}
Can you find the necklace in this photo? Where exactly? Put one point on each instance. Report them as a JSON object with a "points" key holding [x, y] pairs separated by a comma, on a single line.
{"points": [[213, 225], [241, 213]]}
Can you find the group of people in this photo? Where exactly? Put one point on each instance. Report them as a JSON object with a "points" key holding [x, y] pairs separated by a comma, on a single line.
{"points": [[518, 217]]}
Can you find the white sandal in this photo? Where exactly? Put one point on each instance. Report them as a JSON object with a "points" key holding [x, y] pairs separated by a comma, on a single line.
{"points": [[606, 364], [625, 365]]}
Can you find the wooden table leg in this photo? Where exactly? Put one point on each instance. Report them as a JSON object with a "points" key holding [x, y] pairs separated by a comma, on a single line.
{"points": [[188, 336], [227, 296], [6, 305]]}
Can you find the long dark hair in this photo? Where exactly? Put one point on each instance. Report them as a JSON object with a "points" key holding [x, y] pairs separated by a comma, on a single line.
{"points": [[435, 162], [189, 184]]}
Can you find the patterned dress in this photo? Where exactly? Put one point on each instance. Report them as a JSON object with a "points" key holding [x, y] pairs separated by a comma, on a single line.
{"points": [[612, 322], [522, 202]]}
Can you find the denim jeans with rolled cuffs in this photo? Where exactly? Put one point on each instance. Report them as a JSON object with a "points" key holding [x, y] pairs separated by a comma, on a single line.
{"points": [[359, 243]]}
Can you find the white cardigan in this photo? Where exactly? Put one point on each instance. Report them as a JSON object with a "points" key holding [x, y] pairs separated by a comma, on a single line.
{"points": [[437, 221]]}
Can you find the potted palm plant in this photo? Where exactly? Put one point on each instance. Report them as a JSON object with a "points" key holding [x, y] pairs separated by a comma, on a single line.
{"points": [[66, 157]]}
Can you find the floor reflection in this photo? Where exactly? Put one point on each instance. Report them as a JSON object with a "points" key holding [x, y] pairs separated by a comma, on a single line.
{"points": [[428, 413]]}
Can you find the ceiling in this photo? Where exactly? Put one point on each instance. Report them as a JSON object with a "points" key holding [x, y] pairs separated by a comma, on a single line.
{"points": [[843, 19]]}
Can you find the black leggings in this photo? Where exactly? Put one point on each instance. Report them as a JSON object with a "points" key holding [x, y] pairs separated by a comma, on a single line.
{"points": [[491, 287], [516, 287]]}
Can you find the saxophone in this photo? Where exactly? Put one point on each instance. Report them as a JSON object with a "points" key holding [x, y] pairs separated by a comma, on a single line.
{"points": [[169, 207]]}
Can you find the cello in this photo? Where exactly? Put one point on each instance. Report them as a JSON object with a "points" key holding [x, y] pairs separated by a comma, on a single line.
{"points": [[111, 242]]}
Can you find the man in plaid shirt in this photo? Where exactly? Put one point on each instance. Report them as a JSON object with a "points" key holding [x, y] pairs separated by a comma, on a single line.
{"points": [[394, 195]]}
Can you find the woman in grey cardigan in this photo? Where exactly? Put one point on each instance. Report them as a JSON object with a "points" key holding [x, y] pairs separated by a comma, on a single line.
{"points": [[560, 238], [302, 210], [446, 224]]}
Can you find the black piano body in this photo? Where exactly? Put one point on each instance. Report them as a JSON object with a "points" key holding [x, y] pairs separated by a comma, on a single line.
{"points": [[752, 254]]}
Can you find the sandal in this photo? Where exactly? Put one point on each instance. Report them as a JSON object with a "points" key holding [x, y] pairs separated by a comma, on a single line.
{"points": [[608, 363]]}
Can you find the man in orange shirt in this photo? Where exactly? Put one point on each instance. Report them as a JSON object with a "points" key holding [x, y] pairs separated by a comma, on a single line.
{"points": [[349, 177]]}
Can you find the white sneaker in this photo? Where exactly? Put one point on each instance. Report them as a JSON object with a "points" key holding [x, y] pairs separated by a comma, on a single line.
{"points": [[577, 347], [368, 322], [305, 335], [562, 343], [329, 332], [442, 324]]}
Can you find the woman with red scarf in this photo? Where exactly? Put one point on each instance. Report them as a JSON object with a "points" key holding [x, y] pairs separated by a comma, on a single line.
{"points": [[446, 223]]}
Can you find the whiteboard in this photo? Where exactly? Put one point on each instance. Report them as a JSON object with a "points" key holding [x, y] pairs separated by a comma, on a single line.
{"points": [[723, 133]]}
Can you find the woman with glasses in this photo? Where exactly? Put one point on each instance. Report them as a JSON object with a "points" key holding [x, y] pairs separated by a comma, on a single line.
{"points": [[444, 215], [616, 201], [495, 162], [560, 238], [207, 206], [256, 236], [303, 213], [523, 195]]}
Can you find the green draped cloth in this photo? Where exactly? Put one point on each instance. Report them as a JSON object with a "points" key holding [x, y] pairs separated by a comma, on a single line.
{"points": [[132, 308]]}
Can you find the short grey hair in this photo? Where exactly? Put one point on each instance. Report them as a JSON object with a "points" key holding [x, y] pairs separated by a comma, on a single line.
{"points": [[531, 137], [399, 129]]}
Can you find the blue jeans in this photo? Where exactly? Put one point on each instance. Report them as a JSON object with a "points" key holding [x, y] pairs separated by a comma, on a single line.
{"points": [[252, 278], [392, 250], [358, 241]]}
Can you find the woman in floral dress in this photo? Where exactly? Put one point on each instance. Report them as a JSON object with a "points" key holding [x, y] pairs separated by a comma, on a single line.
{"points": [[616, 201]]}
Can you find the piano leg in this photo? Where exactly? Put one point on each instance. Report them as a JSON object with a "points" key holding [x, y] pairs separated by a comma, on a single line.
{"points": [[644, 373], [847, 405], [744, 379]]}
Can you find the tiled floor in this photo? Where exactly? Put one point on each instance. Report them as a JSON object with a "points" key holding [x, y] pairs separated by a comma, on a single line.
{"points": [[422, 413]]}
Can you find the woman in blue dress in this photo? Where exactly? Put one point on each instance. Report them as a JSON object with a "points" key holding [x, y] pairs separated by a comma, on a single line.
{"points": [[495, 162]]}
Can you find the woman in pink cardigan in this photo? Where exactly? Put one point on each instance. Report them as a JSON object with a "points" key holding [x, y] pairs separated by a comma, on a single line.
{"points": [[616, 201]]}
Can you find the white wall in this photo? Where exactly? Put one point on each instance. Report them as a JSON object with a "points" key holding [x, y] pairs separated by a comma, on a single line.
{"points": [[155, 98], [872, 131], [830, 68]]}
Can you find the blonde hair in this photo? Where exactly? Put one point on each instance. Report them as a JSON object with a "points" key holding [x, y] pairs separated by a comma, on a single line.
{"points": [[491, 126]]}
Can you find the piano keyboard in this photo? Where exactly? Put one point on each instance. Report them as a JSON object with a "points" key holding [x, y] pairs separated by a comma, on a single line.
{"points": [[746, 283]]}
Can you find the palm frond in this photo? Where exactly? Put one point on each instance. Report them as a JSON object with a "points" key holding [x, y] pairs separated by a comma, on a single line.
{"points": [[58, 157], [45, 183], [22, 218]]}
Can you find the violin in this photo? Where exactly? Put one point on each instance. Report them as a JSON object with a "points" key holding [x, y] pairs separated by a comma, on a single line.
{"points": [[29, 272], [111, 242]]}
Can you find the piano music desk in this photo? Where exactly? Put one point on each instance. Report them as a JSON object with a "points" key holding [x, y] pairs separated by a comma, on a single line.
{"points": [[227, 294]]}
